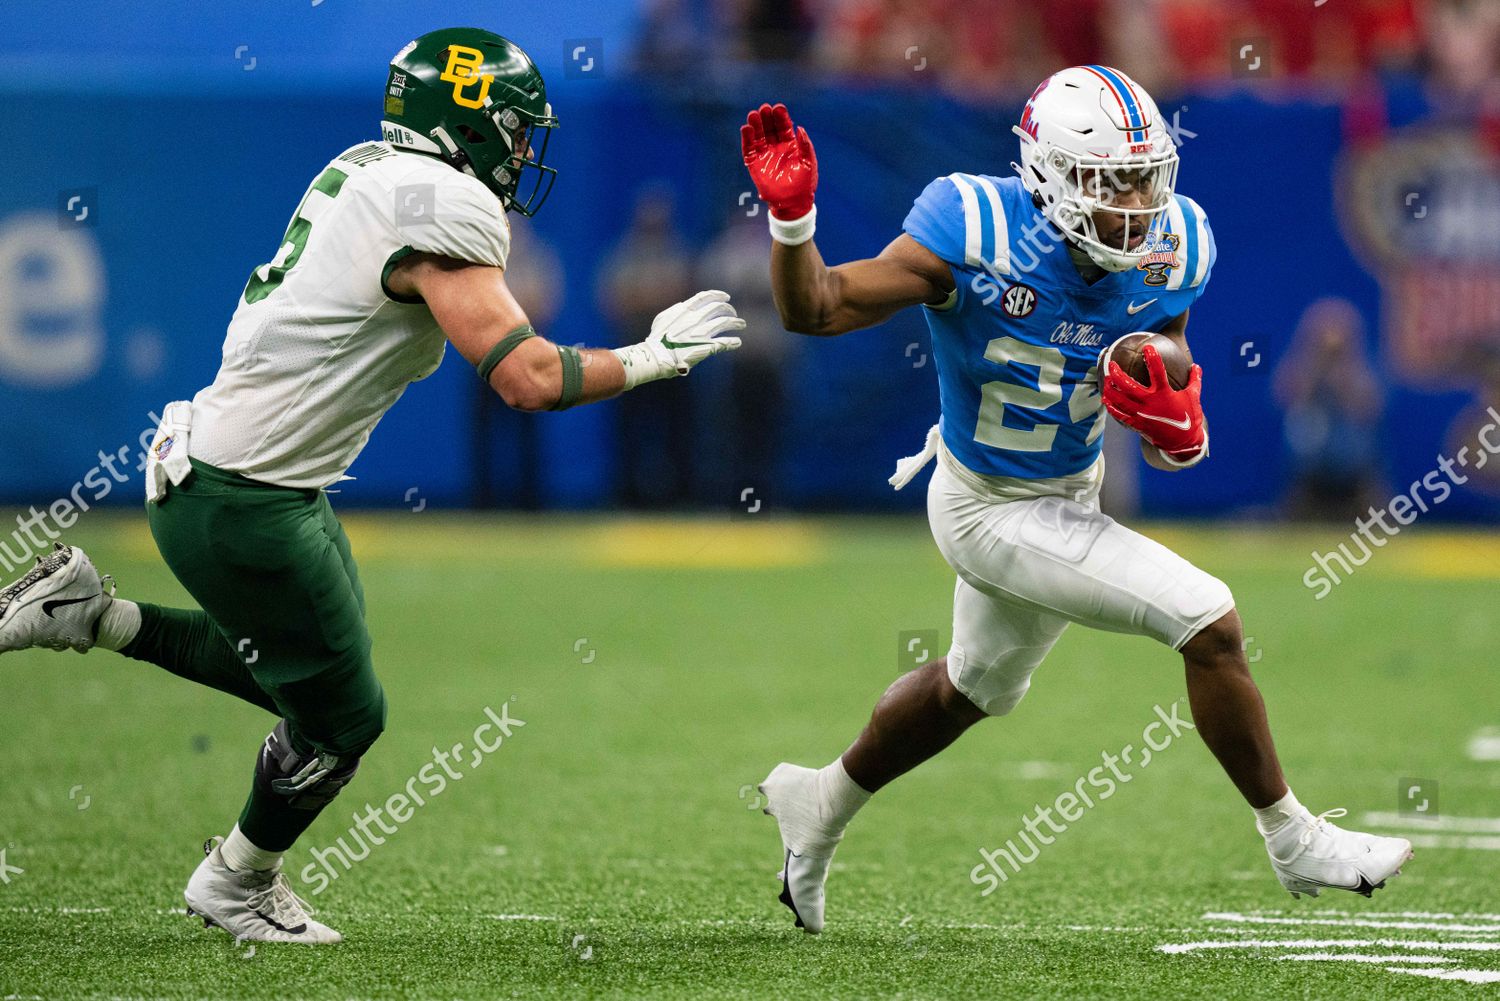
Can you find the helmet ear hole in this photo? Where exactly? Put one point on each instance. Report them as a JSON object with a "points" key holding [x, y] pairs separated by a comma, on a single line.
{"points": [[471, 134]]}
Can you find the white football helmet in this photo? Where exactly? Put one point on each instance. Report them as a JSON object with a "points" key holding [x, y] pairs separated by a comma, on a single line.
{"points": [[1092, 140]]}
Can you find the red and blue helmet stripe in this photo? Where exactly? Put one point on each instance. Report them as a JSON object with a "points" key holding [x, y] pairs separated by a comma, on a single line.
{"points": [[1124, 93]]}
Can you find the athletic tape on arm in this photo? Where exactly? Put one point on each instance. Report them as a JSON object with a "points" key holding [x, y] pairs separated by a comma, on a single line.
{"points": [[498, 353], [572, 377]]}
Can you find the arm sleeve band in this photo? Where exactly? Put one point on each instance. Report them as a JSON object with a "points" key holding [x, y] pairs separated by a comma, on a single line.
{"points": [[497, 354], [572, 377]]}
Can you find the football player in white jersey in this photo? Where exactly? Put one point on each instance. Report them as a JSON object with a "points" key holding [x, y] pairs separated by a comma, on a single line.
{"points": [[1023, 280], [397, 248]]}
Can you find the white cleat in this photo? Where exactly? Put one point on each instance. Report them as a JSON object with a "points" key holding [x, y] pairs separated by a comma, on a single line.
{"points": [[806, 844], [1309, 855], [253, 905], [56, 605]]}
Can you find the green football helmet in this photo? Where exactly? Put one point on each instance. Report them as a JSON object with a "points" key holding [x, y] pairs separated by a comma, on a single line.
{"points": [[477, 102]]}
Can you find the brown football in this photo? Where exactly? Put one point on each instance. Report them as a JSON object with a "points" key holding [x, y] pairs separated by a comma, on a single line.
{"points": [[1127, 352]]}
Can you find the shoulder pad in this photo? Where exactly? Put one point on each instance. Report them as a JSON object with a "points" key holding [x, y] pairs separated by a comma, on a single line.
{"points": [[1195, 244], [962, 219]]}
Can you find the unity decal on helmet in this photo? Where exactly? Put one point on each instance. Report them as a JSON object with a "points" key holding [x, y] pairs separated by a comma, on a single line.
{"points": [[395, 102], [463, 62]]}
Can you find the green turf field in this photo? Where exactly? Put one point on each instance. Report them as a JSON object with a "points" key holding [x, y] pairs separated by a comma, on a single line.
{"points": [[612, 847]]}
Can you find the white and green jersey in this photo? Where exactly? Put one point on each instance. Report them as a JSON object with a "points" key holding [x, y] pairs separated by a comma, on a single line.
{"points": [[319, 349]]}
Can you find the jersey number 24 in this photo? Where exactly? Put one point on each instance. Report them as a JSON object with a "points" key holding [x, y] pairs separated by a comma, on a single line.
{"points": [[1050, 365]]}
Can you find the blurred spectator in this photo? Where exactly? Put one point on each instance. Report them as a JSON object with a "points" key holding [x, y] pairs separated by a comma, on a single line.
{"points": [[1462, 49], [534, 274], [1477, 417], [768, 30], [648, 271], [1332, 401], [752, 433], [673, 39], [997, 50]]}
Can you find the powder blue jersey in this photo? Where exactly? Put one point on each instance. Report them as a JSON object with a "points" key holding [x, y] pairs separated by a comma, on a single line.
{"points": [[1017, 346]]}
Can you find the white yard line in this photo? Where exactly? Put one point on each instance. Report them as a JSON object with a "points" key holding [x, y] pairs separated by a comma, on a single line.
{"points": [[1362, 957], [1468, 842], [1348, 922], [43, 909], [1177, 948], [1461, 825], [1466, 976], [1485, 745], [1428, 915]]}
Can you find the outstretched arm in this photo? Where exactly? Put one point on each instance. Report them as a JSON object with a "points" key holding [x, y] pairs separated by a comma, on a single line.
{"points": [[475, 308], [477, 312], [811, 297], [816, 299]]}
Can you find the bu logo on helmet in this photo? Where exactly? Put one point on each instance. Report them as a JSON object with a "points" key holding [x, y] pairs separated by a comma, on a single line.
{"points": [[460, 71]]}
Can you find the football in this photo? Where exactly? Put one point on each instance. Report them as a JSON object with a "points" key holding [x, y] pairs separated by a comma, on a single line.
{"points": [[1127, 351]]}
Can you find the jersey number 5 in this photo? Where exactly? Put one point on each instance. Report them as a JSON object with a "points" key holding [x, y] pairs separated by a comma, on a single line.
{"points": [[265, 279], [996, 396]]}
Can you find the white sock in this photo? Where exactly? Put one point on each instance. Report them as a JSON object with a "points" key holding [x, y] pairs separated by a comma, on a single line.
{"points": [[118, 624], [839, 796], [240, 853], [1270, 819]]}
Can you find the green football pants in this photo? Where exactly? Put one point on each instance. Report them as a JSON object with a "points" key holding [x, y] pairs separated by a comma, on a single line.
{"points": [[281, 625]]}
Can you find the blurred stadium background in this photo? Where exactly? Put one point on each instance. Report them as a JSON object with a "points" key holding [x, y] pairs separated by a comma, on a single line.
{"points": [[1347, 153]]}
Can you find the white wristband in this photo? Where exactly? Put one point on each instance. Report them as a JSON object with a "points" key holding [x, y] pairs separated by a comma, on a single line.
{"points": [[1188, 464], [641, 365], [795, 231]]}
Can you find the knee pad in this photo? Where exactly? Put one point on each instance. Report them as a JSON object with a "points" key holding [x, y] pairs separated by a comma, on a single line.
{"points": [[1215, 602], [306, 781], [1001, 703], [993, 690]]}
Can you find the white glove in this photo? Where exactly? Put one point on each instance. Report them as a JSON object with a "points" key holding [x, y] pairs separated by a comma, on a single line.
{"points": [[681, 337]]}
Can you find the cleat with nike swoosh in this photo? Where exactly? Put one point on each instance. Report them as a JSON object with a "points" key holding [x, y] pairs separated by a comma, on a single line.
{"points": [[253, 905], [56, 605], [1310, 855], [807, 845]]}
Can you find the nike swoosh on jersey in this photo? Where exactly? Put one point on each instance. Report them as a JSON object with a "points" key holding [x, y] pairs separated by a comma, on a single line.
{"points": [[1133, 309], [1181, 425], [48, 607]]}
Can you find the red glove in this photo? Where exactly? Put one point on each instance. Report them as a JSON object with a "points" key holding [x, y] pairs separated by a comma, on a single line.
{"points": [[781, 161], [1171, 419]]}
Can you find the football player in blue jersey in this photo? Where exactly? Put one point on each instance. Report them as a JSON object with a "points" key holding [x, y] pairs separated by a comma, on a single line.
{"points": [[1023, 281]]}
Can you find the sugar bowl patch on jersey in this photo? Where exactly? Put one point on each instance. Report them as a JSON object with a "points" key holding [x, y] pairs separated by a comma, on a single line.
{"points": [[1017, 345]]}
